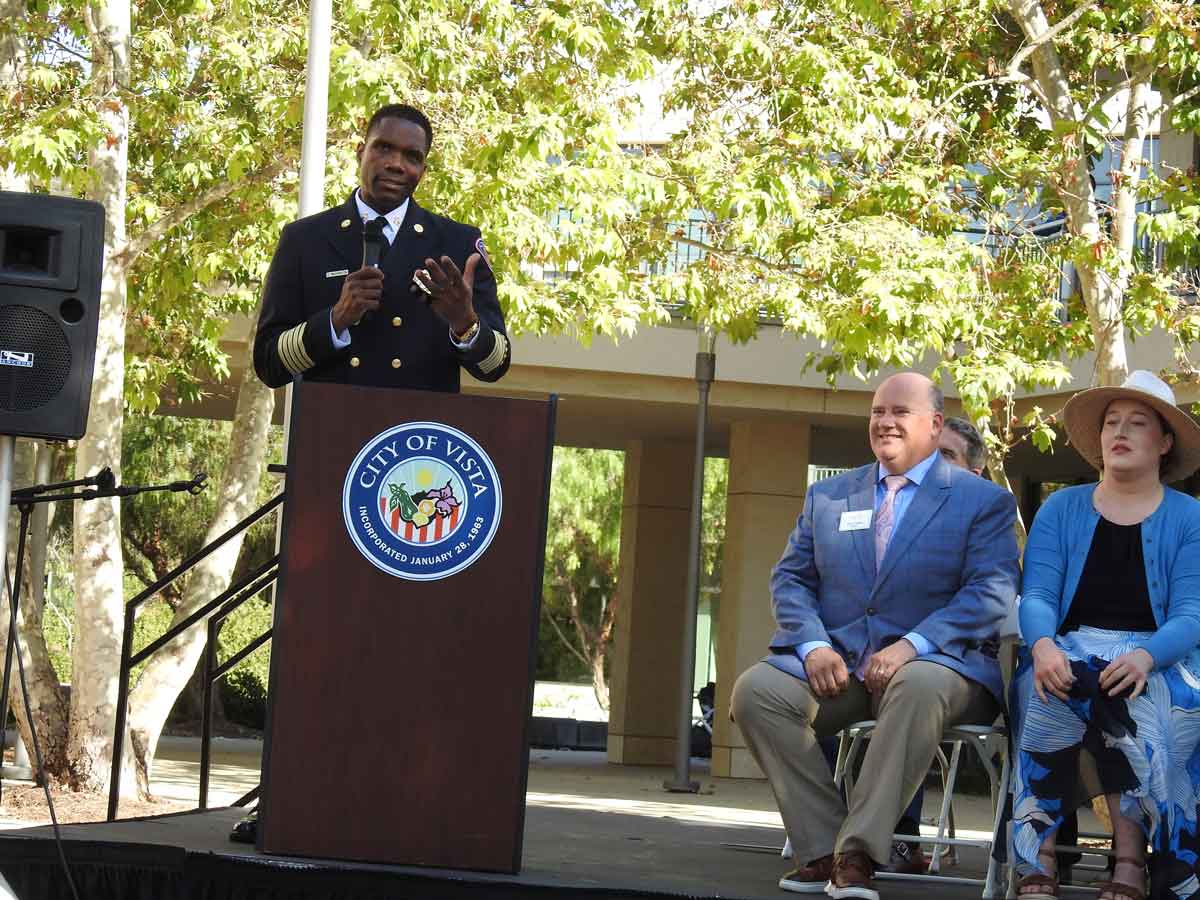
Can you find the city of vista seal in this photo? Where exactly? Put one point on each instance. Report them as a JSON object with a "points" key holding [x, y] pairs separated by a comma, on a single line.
{"points": [[421, 501]]}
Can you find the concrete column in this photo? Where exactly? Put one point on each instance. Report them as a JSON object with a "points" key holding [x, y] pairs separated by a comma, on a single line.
{"points": [[652, 582], [768, 475]]}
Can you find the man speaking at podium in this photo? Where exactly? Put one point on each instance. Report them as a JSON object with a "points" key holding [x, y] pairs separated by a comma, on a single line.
{"points": [[379, 291]]}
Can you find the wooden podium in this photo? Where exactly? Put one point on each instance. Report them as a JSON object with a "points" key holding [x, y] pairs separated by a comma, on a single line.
{"points": [[405, 627]]}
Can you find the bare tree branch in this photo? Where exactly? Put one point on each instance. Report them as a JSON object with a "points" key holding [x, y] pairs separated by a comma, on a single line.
{"points": [[565, 640], [215, 193], [128, 254], [1178, 100], [581, 630], [1049, 34], [1011, 77], [1047, 65], [1124, 84]]}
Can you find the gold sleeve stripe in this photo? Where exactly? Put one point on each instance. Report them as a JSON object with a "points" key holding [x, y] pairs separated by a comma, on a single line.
{"points": [[281, 349], [305, 359], [286, 355], [495, 359], [292, 352]]}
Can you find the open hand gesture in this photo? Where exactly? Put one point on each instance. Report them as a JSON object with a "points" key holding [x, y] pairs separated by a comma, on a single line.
{"points": [[449, 291]]}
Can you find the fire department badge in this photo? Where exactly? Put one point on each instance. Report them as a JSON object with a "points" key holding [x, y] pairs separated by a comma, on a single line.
{"points": [[422, 501]]}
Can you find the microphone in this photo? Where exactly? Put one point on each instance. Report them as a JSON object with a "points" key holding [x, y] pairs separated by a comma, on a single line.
{"points": [[373, 242]]}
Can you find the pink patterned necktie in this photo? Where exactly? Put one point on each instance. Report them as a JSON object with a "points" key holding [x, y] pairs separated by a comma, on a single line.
{"points": [[885, 518]]}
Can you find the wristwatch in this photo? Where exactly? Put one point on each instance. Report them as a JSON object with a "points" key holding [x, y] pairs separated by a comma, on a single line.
{"points": [[466, 336]]}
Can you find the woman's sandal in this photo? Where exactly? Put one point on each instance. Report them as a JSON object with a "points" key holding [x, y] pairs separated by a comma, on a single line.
{"points": [[1121, 890], [1047, 885]]}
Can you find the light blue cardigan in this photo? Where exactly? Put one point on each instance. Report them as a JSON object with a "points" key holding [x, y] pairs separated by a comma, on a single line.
{"points": [[1058, 547]]}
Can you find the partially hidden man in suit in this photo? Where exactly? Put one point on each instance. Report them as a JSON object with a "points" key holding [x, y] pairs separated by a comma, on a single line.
{"points": [[426, 312], [894, 576]]}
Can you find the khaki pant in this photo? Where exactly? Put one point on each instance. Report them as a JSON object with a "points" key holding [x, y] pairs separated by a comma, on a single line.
{"points": [[782, 719]]}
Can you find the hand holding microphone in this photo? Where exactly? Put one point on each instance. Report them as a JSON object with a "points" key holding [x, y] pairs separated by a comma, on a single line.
{"points": [[362, 291]]}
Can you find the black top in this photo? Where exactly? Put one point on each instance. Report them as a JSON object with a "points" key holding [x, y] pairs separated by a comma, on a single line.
{"points": [[1112, 590]]}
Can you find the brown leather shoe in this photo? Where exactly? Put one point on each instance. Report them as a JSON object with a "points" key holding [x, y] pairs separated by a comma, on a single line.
{"points": [[853, 876], [810, 878]]}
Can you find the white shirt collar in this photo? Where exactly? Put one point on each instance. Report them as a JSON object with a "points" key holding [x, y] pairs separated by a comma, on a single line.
{"points": [[395, 218]]}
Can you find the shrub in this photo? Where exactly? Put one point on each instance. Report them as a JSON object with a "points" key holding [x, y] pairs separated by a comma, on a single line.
{"points": [[245, 698]]}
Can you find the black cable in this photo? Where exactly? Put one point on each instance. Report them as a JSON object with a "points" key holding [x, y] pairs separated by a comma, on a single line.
{"points": [[37, 750]]}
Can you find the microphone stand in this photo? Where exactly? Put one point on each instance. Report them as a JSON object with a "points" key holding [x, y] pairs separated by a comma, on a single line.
{"points": [[102, 484]]}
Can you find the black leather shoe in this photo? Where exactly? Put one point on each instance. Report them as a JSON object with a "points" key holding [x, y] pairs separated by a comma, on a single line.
{"points": [[246, 830]]}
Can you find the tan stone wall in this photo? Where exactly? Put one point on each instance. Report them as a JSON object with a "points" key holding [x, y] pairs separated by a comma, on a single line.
{"points": [[768, 474], [651, 590]]}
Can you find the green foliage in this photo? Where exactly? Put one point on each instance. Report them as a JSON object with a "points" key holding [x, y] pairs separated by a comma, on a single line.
{"points": [[161, 529], [834, 158], [249, 621], [583, 538], [876, 173], [583, 555], [836, 151], [244, 697], [527, 102], [152, 621], [712, 525]]}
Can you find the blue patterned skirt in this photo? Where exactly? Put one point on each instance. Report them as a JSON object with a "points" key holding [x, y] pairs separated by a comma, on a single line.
{"points": [[1147, 750]]}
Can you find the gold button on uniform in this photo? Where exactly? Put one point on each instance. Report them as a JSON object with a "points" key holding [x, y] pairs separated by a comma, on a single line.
{"points": [[397, 321], [354, 361], [396, 363]]}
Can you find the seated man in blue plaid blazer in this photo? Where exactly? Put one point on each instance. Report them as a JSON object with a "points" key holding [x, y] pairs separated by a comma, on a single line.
{"points": [[896, 576]]}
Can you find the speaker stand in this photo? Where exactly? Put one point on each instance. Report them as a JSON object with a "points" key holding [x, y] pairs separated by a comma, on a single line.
{"points": [[7, 445]]}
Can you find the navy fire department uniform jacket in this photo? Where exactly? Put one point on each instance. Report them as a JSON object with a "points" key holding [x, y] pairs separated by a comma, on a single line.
{"points": [[405, 344]]}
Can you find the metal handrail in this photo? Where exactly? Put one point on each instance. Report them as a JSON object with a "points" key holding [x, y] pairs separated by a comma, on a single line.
{"points": [[213, 672], [129, 659]]}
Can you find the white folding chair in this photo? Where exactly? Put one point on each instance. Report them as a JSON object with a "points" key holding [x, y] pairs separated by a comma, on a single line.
{"points": [[988, 741]]}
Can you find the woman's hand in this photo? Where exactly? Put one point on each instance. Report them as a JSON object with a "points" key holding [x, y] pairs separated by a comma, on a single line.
{"points": [[1051, 670], [1128, 672]]}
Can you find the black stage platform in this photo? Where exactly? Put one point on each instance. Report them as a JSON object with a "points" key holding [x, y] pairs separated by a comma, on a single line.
{"points": [[569, 852]]}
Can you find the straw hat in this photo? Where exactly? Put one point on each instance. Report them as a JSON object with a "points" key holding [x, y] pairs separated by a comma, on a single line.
{"points": [[1084, 415]]}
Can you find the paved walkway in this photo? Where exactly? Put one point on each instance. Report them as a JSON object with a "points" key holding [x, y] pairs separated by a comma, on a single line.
{"points": [[557, 778]]}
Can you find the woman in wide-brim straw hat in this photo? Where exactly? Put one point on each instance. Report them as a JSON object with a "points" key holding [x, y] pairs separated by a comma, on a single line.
{"points": [[1110, 614]]}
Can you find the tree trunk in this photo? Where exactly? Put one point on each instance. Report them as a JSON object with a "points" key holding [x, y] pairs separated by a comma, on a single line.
{"points": [[168, 671], [599, 680], [1124, 223], [593, 645], [99, 572], [1103, 296], [998, 473], [47, 699]]}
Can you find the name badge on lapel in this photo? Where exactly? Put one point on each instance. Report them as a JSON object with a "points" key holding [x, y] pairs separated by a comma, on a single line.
{"points": [[855, 520], [337, 273]]}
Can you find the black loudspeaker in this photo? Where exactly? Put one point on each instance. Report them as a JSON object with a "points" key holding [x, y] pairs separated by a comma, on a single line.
{"points": [[51, 261]]}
